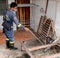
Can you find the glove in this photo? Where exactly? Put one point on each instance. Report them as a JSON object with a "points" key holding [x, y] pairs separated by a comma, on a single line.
{"points": [[21, 27]]}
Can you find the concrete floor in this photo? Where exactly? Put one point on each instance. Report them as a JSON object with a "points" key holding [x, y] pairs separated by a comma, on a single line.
{"points": [[6, 53], [20, 36]]}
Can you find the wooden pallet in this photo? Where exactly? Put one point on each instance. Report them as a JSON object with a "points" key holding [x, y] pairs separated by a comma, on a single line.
{"points": [[45, 32], [42, 20], [45, 29]]}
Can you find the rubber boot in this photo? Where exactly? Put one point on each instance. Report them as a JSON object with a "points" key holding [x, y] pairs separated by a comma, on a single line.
{"points": [[7, 44], [3, 30], [12, 47]]}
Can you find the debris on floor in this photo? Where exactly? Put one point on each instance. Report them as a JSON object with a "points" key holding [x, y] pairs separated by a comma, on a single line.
{"points": [[30, 41]]}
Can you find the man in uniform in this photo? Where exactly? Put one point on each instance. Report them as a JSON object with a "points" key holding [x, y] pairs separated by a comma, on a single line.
{"points": [[10, 17]]}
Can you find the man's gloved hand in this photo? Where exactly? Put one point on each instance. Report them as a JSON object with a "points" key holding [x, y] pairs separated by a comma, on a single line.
{"points": [[21, 27], [27, 29]]}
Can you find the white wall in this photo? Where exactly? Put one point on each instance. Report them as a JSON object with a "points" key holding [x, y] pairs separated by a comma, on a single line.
{"points": [[9, 1], [31, 17], [35, 13], [51, 11], [1, 21], [57, 22]]}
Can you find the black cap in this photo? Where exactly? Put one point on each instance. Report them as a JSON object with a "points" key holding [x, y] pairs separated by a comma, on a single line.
{"points": [[13, 4]]}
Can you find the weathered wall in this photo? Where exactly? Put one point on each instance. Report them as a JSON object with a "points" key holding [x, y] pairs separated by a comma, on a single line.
{"points": [[57, 21], [35, 13]]}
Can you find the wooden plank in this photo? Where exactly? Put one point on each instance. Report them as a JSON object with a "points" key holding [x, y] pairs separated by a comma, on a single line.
{"points": [[45, 46], [41, 47], [27, 50], [42, 20], [35, 36], [47, 23], [44, 29]]}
